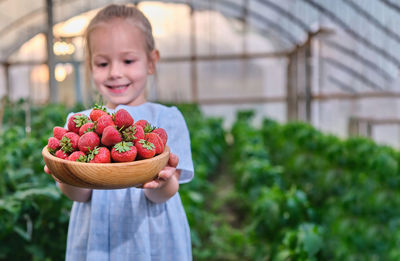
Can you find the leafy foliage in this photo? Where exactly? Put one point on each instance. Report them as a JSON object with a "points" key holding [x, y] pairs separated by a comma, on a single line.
{"points": [[352, 184], [33, 212], [279, 192], [280, 220]]}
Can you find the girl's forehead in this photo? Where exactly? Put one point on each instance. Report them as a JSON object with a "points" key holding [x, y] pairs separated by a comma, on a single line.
{"points": [[116, 23], [116, 34]]}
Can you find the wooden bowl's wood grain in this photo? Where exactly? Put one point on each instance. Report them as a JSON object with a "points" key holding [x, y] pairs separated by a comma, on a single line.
{"points": [[106, 175]]}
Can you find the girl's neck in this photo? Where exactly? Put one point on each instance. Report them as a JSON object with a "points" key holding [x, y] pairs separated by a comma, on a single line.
{"points": [[134, 103]]}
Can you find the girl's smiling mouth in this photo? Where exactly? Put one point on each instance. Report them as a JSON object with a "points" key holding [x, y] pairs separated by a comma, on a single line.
{"points": [[118, 88]]}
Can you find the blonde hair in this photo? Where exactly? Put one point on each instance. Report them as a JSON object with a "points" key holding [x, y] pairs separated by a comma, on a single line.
{"points": [[127, 12]]}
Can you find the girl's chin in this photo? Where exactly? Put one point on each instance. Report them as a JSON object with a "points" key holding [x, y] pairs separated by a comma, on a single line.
{"points": [[114, 102]]}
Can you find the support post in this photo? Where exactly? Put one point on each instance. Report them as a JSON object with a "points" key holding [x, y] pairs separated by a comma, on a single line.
{"points": [[51, 61], [193, 55], [291, 88], [308, 81]]}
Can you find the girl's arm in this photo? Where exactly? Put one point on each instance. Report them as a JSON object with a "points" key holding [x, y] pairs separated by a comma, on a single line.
{"points": [[166, 185], [76, 193], [72, 192]]}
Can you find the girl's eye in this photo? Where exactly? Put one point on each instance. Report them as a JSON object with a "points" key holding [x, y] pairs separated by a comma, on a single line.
{"points": [[102, 64], [128, 61]]}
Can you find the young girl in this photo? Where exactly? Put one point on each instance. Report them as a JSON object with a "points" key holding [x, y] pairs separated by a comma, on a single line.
{"points": [[132, 223]]}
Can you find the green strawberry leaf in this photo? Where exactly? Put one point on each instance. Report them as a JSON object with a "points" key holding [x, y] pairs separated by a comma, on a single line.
{"points": [[80, 120], [82, 158], [148, 128], [66, 145], [99, 107], [123, 146], [92, 153], [147, 144], [129, 133]]}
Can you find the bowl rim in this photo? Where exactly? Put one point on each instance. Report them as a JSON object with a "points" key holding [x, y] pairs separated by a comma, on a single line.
{"points": [[46, 153]]}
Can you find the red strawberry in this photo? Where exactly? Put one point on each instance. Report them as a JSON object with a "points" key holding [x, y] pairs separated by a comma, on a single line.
{"points": [[133, 133], [156, 140], [102, 122], [53, 145], [110, 136], [69, 142], [122, 119], [89, 126], [77, 156], [142, 123], [76, 121], [97, 112], [88, 141], [162, 133], [58, 132], [145, 149], [123, 152], [61, 154], [99, 155]]}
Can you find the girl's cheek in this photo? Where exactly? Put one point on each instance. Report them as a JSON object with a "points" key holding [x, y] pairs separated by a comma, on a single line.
{"points": [[98, 72]]}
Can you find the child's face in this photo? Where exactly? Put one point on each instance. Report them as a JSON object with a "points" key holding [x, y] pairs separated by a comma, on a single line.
{"points": [[120, 64]]}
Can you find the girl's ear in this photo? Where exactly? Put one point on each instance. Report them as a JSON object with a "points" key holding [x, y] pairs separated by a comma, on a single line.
{"points": [[154, 57]]}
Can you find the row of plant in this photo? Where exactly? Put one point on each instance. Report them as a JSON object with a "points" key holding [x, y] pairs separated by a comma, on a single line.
{"points": [[208, 145], [279, 192], [34, 214], [352, 186], [279, 223]]}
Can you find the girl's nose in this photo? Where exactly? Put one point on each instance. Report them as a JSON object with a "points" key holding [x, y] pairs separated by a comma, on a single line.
{"points": [[115, 70]]}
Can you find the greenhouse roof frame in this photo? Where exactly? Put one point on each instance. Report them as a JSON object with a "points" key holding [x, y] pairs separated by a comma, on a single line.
{"points": [[370, 26]]}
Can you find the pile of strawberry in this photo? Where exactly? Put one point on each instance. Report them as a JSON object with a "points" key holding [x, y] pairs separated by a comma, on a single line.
{"points": [[106, 138]]}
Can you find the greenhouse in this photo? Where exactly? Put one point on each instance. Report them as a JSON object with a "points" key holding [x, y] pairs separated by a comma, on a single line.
{"points": [[291, 105]]}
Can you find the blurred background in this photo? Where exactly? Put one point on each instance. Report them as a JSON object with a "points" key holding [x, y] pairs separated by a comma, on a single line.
{"points": [[299, 99]]}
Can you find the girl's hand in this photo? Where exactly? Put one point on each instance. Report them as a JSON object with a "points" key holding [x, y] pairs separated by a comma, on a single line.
{"points": [[166, 184], [165, 174], [46, 169], [73, 193]]}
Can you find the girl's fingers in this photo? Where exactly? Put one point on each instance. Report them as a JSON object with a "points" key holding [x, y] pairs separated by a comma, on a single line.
{"points": [[46, 169], [173, 160], [166, 173], [151, 184]]}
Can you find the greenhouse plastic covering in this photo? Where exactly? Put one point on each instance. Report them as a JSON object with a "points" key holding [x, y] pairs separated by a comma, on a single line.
{"points": [[365, 33]]}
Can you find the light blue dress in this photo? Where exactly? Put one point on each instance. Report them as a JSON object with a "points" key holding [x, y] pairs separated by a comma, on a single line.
{"points": [[123, 224]]}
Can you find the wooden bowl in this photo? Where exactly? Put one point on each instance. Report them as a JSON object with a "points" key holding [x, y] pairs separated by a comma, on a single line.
{"points": [[106, 175]]}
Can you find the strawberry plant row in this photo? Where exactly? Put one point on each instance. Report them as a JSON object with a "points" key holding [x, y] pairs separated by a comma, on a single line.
{"points": [[34, 214], [208, 144], [280, 220], [352, 184]]}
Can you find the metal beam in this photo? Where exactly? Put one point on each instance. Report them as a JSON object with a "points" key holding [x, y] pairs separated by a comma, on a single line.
{"points": [[362, 59], [51, 61], [342, 85], [371, 19], [193, 53], [391, 5], [226, 57], [353, 33], [294, 19], [274, 25], [341, 66], [23, 19], [283, 99]]}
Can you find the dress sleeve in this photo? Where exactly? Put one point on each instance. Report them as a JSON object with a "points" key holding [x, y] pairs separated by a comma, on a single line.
{"points": [[179, 141], [66, 121]]}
